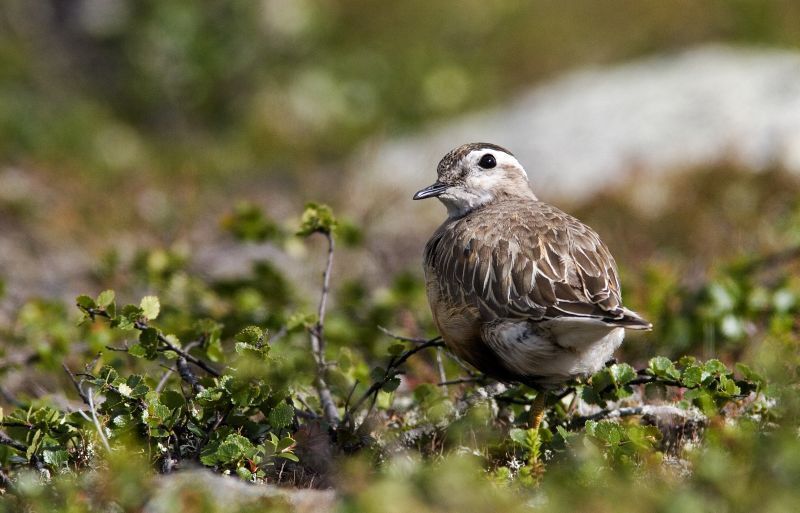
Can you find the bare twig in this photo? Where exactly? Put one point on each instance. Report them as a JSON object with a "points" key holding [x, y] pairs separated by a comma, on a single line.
{"points": [[141, 326], [97, 422], [440, 366], [75, 383], [405, 339], [654, 411], [163, 381], [393, 369], [349, 398], [318, 342], [462, 380]]}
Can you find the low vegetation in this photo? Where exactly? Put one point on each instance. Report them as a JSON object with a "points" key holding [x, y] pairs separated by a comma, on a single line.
{"points": [[243, 377]]}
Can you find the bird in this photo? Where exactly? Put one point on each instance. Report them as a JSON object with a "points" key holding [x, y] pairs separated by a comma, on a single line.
{"points": [[519, 289]]}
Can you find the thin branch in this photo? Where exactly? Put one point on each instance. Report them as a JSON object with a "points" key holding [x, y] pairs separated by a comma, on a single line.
{"points": [[440, 366], [460, 381], [318, 342], [349, 398], [326, 283], [163, 381], [97, 422], [655, 411], [141, 326], [76, 384], [406, 339], [392, 370]]}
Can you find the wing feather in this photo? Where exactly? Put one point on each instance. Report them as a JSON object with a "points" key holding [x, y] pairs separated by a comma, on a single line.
{"points": [[527, 260]]}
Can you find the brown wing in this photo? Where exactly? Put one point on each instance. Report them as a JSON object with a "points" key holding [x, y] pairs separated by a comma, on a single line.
{"points": [[527, 260]]}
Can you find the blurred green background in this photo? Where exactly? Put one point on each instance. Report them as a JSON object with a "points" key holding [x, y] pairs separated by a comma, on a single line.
{"points": [[121, 91]]}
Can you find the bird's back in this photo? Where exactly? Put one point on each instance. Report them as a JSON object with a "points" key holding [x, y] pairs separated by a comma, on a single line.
{"points": [[520, 268]]}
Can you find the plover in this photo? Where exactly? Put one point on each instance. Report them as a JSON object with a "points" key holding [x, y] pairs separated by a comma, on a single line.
{"points": [[519, 289]]}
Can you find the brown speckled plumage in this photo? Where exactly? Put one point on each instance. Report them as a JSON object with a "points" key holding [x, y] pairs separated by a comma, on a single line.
{"points": [[518, 288]]}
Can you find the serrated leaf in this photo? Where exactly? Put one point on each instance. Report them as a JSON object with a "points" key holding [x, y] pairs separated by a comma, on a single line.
{"points": [[622, 373], [281, 416], [715, 366], [150, 306], [56, 458], [692, 376], [250, 335], [663, 367]]}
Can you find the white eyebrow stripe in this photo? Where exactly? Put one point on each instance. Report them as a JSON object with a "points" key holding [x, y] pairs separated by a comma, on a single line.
{"points": [[502, 158]]}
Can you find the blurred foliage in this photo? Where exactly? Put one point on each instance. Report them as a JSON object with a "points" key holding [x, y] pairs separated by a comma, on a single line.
{"points": [[712, 256], [232, 86], [218, 374]]}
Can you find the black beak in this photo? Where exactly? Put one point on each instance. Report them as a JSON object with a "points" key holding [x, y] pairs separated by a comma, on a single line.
{"points": [[431, 191]]}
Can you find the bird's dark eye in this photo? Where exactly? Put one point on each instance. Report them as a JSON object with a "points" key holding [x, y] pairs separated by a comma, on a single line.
{"points": [[487, 161]]}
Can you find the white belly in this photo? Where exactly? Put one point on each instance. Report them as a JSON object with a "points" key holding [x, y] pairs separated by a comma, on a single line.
{"points": [[554, 351]]}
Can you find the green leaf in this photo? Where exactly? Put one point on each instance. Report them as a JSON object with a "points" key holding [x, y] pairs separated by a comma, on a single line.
{"points": [[663, 367], [377, 374], [56, 458], [105, 298], [391, 385], [281, 416], [148, 340], [622, 373], [300, 320], [692, 376], [285, 444], [750, 375], [150, 306], [244, 473], [728, 386], [85, 302], [289, 456], [715, 366], [138, 351], [518, 435]]}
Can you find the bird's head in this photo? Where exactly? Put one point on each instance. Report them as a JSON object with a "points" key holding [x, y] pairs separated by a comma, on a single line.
{"points": [[474, 175]]}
